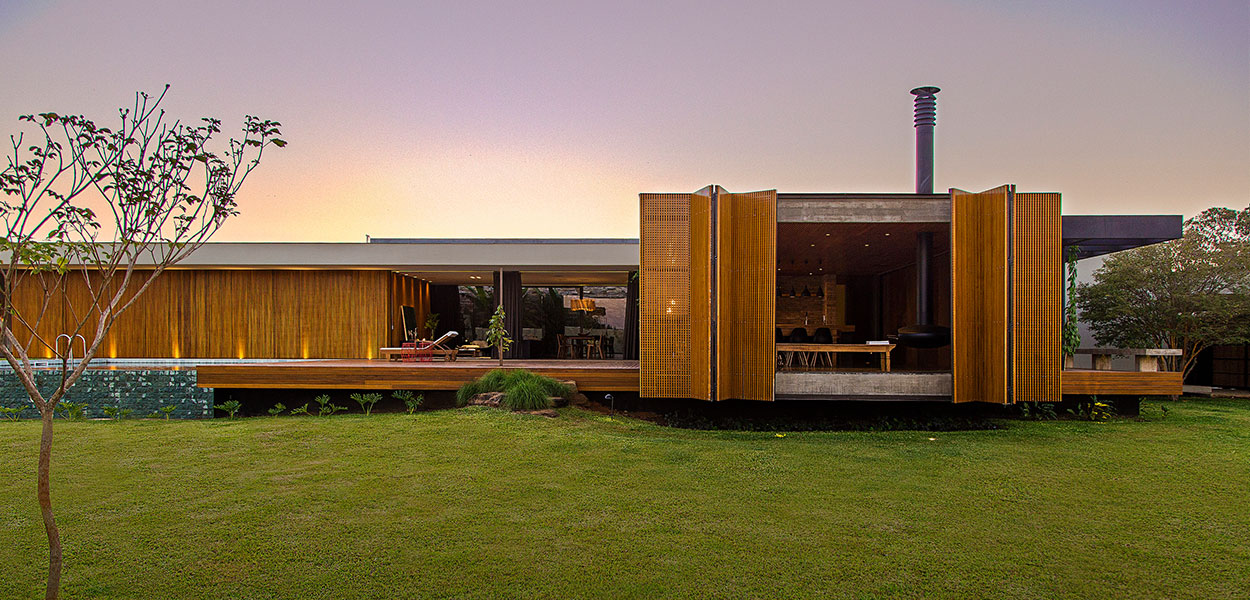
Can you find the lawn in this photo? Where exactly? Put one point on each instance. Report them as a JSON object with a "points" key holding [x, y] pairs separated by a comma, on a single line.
{"points": [[478, 503]]}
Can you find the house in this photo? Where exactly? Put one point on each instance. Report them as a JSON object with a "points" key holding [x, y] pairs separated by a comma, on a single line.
{"points": [[758, 296]]}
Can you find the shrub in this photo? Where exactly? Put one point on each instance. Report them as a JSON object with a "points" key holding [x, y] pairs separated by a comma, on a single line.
{"points": [[11, 414], [300, 410], [411, 401], [168, 410], [230, 406], [73, 410], [366, 401], [325, 406], [527, 395], [277, 409]]}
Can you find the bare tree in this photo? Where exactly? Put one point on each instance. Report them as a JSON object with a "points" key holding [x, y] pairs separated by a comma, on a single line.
{"points": [[159, 194]]}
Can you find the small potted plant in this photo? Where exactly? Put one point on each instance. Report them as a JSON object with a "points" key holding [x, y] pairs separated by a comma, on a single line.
{"points": [[497, 334]]}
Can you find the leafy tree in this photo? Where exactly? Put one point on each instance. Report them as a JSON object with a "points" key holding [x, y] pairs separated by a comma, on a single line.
{"points": [[113, 208], [497, 333], [1190, 293]]}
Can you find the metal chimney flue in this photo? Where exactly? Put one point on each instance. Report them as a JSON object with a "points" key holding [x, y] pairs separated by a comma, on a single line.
{"points": [[926, 120], [924, 334]]}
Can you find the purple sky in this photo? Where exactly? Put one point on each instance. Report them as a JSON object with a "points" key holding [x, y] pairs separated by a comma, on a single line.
{"points": [[547, 119]]}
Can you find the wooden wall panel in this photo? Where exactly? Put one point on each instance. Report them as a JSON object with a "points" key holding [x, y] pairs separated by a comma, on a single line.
{"points": [[746, 295], [1037, 299], [188, 313], [980, 230], [674, 282]]}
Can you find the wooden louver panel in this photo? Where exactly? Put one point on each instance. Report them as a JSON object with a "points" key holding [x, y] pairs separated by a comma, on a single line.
{"points": [[1037, 301], [674, 295], [980, 231], [746, 295]]}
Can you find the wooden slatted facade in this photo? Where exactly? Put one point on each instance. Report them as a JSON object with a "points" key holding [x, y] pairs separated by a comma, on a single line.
{"points": [[746, 295], [1037, 297], [190, 313], [707, 272], [980, 232], [674, 294]]}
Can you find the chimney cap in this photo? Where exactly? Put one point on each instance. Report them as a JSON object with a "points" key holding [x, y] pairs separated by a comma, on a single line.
{"points": [[927, 90]]}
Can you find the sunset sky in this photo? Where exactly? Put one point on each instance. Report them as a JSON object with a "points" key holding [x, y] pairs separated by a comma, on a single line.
{"points": [[546, 119]]}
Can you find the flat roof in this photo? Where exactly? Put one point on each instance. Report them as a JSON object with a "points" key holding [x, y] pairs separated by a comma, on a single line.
{"points": [[440, 255], [604, 259], [1095, 235]]}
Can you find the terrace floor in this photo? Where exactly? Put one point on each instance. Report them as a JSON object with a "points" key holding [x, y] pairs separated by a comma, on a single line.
{"points": [[622, 376]]}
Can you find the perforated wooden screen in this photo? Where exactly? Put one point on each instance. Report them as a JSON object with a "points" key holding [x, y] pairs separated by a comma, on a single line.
{"points": [[674, 296], [980, 230], [746, 295], [1037, 301]]}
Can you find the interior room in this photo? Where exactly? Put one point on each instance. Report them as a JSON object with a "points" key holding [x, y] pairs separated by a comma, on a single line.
{"points": [[856, 283]]}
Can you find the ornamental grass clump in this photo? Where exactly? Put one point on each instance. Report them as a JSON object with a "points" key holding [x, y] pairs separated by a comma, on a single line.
{"points": [[527, 395], [522, 383]]}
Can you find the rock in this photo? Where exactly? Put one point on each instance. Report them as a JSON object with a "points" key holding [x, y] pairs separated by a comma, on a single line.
{"points": [[493, 399], [550, 413]]}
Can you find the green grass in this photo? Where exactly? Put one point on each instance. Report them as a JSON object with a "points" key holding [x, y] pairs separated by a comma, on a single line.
{"points": [[482, 503]]}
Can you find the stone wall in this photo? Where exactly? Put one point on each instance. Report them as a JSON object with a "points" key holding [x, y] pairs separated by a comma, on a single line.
{"points": [[141, 391]]}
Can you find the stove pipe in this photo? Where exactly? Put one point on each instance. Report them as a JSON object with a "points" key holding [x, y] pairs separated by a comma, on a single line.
{"points": [[924, 334], [926, 119]]}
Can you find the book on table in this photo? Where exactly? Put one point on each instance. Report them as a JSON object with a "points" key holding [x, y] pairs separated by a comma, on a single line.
{"points": [[878, 342]]}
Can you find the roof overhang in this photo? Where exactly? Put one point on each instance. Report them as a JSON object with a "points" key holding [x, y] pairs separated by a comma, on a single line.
{"points": [[411, 256], [1095, 235]]}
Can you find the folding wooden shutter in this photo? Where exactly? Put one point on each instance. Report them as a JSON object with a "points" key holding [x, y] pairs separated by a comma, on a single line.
{"points": [[980, 294], [1037, 299], [675, 241], [746, 272]]}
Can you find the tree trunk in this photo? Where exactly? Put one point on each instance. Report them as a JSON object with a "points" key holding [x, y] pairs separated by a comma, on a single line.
{"points": [[45, 507], [500, 349]]}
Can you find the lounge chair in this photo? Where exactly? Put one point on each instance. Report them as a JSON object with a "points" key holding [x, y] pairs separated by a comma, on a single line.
{"points": [[426, 351]]}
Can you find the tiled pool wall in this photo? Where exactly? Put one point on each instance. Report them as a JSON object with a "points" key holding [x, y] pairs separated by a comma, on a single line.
{"points": [[142, 391]]}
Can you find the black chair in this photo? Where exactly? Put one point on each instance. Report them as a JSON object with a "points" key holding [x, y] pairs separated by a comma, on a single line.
{"points": [[822, 336], [799, 336], [779, 338]]}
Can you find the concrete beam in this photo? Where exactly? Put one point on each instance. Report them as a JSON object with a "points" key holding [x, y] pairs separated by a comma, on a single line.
{"points": [[863, 208], [863, 386]]}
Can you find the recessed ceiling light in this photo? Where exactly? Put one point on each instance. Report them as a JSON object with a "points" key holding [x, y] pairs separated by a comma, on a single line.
{"points": [[827, 235], [865, 245], [887, 235], [813, 245]]}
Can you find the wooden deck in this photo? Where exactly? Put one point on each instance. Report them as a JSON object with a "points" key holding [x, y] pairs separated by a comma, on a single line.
{"points": [[1120, 383], [590, 375]]}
